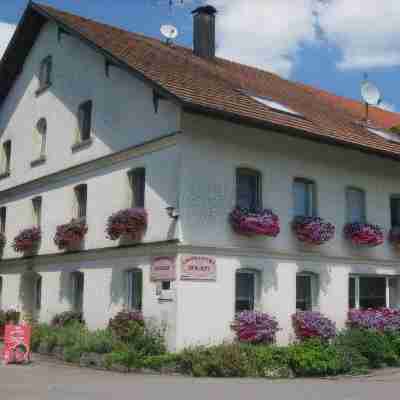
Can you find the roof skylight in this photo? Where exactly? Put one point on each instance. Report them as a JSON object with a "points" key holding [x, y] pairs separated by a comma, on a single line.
{"points": [[274, 105], [390, 136]]}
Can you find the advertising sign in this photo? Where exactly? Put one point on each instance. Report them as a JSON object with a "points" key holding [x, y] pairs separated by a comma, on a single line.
{"points": [[17, 344], [199, 268], [163, 269]]}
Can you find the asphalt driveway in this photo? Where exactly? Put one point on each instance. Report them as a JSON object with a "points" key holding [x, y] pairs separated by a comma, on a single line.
{"points": [[47, 379]]}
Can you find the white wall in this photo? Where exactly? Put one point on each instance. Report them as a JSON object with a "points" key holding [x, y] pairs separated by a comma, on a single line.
{"points": [[123, 112]]}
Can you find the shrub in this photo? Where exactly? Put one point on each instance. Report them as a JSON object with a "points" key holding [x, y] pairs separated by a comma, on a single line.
{"points": [[264, 222], [131, 222], [157, 363], [101, 341], [313, 230], [311, 324], [125, 358], [12, 316], [372, 345], [227, 360], [67, 317], [127, 324], [42, 333], [384, 319], [70, 234], [315, 358], [72, 354], [27, 240], [364, 234], [255, 327]]}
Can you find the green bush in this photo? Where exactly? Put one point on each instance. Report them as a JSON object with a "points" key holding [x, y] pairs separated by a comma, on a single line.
{"points": [[394, 341], [72, 354], [314, 358], [100, 341], [372, 345], [157, 363], [43, 334], [127, 324], [66, 318]]}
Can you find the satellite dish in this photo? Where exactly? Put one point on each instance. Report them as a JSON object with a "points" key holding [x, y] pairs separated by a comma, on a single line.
{"points": [[370, 93], [170, 32]]}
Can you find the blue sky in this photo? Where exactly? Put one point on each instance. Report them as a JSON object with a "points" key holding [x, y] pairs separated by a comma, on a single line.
{"points": [[326, 43]]}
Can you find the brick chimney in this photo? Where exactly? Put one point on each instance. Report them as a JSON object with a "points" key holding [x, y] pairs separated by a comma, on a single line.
{"points": [[204, 31]]}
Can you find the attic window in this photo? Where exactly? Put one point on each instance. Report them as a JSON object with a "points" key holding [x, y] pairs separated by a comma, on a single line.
{"points": [[274, 105], [389, 136]]}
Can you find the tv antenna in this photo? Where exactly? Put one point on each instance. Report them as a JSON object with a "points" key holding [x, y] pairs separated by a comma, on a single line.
{"points": [[170, 32], [370, 94]]}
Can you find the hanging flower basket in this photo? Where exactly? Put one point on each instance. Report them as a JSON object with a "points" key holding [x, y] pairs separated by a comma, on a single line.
{"points": [[264, 223], [364, 234], [313, 230], [70, 235], [27, 240], [130, 223], [3, 240], [394, 236]]}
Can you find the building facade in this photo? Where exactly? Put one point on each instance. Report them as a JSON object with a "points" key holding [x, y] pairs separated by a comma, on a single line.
{"points": [[75, 130]]}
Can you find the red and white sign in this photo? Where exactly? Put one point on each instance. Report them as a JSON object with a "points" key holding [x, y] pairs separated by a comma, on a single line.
{"points": [[17, 344], [163, 269], [199, 268]]}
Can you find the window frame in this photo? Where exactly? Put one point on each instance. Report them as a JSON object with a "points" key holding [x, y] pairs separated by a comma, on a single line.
{"points": [[81, 201], [257, 195], [3, 220], [364, 205], [257, 278], [85, 121], [38, 292], [78, 287], [393, 198], [357, 297], [314, 289], [6, 153], [45, 74], [137, 192], [37, 208], [311, 186], [130, 294]]}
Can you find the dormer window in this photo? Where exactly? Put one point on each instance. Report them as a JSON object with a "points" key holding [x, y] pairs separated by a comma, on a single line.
{"points": [[45, 73]]}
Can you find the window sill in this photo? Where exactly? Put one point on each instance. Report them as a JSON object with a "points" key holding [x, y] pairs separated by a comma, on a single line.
{"points": [[39, 161], [4, 175], [84, 144], [42, 89]]}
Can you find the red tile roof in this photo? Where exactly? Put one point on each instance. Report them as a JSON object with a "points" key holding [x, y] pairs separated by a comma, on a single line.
{"points": [[223, 87]]}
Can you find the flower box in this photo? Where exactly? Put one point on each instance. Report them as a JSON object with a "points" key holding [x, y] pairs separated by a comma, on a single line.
{"points": [[71, 235], [255, 327], [382, 319], [363, 234], [313, 230], [130, 223], [312, 324], [263, 223], [27, 240], [394, 236]]}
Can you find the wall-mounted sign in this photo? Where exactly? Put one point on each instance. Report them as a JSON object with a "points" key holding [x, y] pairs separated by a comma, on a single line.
{"points": [[163, 269], [199, 268]]}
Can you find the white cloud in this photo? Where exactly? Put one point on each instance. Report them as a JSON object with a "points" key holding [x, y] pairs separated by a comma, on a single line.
{"points": [[366, 31], [6, 32], [387, 106], [264, 33]]}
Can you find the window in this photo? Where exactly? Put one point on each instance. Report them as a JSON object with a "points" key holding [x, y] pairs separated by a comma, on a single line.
{"points": [[41, 129], [248, 189], [81, 201], [37, 211], [304, 198], [355, 199], [1, 292], [38, 293], [137, 184], [3, 219], [246, 290], [85, 120], [395, 211], [77, 291], [6, 157], [45, 73], [373, 292], [135, 289], [306, 291]]}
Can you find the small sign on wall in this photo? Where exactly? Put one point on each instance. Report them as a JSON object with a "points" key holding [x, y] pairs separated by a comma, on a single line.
{"points": [[199, 268], [163, 269]]}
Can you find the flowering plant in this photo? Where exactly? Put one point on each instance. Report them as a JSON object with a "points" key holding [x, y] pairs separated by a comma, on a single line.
{"points": [[69, 234], [313, 230], [249, 223], [131, 222], [311, 324], [255, 327], [27, 240], [383, 319], [364, 234], [394, 235]]}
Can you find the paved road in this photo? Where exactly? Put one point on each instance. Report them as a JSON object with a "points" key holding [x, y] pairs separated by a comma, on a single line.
{"points": [[51, 380]]}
